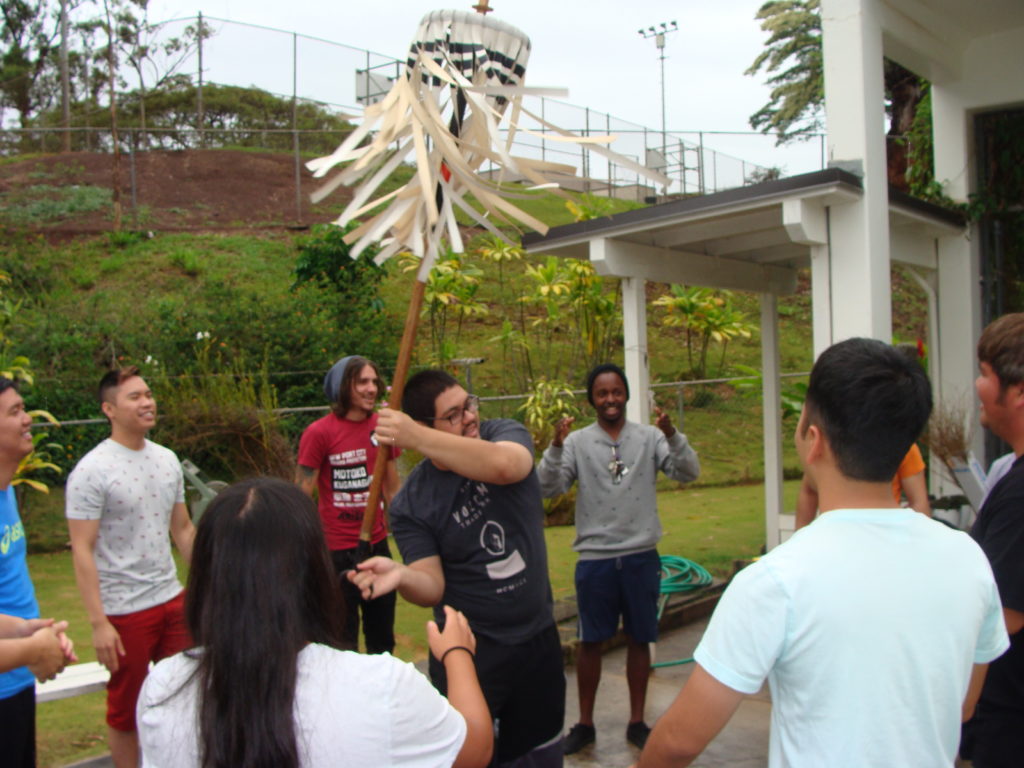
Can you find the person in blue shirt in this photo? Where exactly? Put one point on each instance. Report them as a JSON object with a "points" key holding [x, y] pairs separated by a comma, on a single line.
{"points": [[30, 647]]}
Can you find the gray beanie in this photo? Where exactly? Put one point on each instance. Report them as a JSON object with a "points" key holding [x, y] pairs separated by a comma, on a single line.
{"points": [[332, 381]]}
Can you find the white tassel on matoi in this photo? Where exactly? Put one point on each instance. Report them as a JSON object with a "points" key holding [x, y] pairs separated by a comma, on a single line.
{"points": [[464, 75]]}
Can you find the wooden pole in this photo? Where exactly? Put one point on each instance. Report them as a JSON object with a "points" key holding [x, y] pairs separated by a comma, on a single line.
{"points": [[402, 366], [394, 401]]}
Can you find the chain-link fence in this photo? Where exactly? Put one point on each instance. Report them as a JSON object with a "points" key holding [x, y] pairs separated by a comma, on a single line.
{"points": [[721, 417], [343, 78]]}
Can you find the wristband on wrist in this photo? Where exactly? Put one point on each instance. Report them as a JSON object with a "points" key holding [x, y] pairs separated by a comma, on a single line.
{"points": [[456, 648]]}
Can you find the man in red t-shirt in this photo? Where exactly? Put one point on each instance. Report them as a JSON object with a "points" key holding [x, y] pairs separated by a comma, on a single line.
{"points": [[336, 459]]}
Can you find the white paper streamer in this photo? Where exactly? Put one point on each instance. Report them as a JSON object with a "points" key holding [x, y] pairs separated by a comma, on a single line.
{"points": [[463, 71]]}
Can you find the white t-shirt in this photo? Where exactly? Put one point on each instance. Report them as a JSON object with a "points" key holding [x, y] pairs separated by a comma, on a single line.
{"points": [[866, 625], [132, 494], [999, 468], [350, 709]]}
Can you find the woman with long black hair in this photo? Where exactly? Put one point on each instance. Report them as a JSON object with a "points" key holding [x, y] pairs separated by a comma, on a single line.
{"points": [[266, 685]]}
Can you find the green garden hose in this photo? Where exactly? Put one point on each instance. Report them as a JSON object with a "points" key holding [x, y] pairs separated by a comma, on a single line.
{"points": [[678, 576]]}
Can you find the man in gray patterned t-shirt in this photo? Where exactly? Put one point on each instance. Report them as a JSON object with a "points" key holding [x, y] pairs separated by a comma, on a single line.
{"points": [[121, 500]]}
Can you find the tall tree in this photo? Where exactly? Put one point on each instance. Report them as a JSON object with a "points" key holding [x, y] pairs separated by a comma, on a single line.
{"points": [[30, 34], [154, 59], [115, 143], [792, 57], [904, 90]]}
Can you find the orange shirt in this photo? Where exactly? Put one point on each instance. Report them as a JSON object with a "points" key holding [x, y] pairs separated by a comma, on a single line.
{"points": [[912, 463]]}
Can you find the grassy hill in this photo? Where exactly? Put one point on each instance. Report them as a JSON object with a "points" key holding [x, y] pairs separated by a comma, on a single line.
{"points": [[90, 299], [219, 259]]}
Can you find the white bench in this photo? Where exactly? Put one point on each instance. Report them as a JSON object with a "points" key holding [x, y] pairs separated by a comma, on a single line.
{"points": [[75, 680]]}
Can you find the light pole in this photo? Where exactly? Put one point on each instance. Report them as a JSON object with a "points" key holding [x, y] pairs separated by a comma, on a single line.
{"points": [[658, 33]]}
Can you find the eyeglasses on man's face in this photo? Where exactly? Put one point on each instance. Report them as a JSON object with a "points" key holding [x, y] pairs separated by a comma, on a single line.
{"points": [[456, 415]]}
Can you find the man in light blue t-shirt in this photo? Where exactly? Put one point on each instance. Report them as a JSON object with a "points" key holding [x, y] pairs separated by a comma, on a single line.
{"points": [[874, 648]]}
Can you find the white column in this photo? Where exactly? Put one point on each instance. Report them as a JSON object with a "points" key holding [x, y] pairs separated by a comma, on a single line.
{"points": [[959, 260], [821, 299], [772, 416], [939, 482], [855, 114], [634, 333], [959, 312], [807, 222]]}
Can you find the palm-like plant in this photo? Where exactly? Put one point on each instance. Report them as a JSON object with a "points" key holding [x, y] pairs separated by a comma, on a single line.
{"points": [[501, 252], [548, 402], [707, 316], [39, 459], [450, 294]]}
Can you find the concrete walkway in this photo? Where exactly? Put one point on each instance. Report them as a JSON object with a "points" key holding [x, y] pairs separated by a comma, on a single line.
{"points": [[742, 744]]}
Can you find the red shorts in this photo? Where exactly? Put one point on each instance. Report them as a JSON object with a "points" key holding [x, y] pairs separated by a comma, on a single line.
{"points": [[147, 636]]}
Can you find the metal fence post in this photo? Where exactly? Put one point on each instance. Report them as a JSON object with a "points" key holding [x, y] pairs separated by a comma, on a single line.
{"points": [[700, 164], [680, 418], [200, 119], [585, 165], [608, 130], [714, 171], [131, 174], [65, 86], [295, 126], [682, 165]]}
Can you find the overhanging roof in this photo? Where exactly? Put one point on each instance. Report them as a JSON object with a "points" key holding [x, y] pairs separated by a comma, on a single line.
{"points": [[930, 37], [750, 238]]}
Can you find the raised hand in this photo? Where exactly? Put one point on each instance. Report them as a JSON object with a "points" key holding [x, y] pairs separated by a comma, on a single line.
{"points": [[562, 429], [663, 422]]}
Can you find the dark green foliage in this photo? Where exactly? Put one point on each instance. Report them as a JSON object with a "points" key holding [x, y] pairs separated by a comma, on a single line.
{"points": [[349, 292], [325, 260], [223, 416], [69, 400], [232, 117], [921, 153], [101, 304]]}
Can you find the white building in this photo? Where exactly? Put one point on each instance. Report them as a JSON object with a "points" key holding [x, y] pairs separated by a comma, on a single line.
{"points": [[844, 222]]}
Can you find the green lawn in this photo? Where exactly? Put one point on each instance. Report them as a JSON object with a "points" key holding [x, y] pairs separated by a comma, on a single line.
{"points": [[712, 526]]}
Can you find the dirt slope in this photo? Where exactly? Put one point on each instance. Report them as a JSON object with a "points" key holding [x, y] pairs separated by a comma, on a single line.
{"points": [[176, 190]]}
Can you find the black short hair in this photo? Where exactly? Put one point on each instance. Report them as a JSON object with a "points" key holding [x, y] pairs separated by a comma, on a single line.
{"points": [[421, 393], [871, 403], [597, 370], [6, 384], [113, 379]]}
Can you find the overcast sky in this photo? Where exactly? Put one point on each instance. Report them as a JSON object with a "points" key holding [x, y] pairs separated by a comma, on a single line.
{"points": [[590, 47]]}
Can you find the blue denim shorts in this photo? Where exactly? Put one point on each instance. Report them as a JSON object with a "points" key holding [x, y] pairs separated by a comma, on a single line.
{"points": [[619, 586]]}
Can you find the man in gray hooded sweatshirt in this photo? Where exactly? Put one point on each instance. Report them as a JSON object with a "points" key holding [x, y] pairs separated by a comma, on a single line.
{"points": [[615, 464]]}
